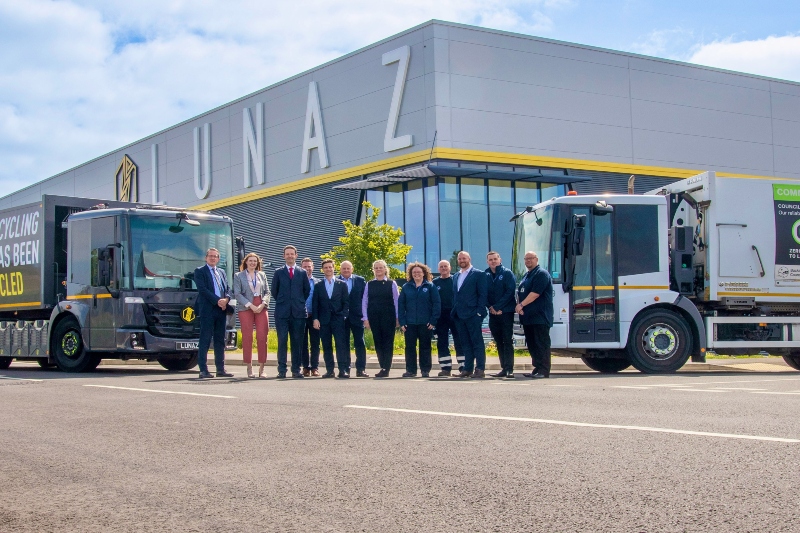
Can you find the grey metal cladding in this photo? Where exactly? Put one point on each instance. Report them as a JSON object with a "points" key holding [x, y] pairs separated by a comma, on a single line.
{"points": [[616, 182], [310, 219]]}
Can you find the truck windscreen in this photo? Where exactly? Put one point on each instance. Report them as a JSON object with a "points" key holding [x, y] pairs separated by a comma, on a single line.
{"points": [[536, 232], [165, 253]]}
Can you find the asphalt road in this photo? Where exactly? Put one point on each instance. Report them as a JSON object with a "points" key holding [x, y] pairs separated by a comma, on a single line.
{"points": [[141, 449]]}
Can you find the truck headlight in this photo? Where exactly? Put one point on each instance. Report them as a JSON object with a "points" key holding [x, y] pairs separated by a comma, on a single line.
{"points": [[137, 341]]}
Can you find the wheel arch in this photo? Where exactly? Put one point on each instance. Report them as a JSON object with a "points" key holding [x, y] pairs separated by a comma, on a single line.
{"points": [[686, 310], [64, 311]]}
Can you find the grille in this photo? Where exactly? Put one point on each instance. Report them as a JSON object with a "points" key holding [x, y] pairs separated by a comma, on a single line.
{"points": [[164, 320]]}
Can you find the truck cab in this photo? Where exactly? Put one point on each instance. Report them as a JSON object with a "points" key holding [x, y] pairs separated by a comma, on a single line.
{"points": [[129, 290]]}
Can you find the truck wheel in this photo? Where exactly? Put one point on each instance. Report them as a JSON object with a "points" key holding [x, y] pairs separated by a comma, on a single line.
{"points": [[176, 364], [68, 349], [791, 360], [659, 342], [44, 364], [605, 365], [5, 362]]}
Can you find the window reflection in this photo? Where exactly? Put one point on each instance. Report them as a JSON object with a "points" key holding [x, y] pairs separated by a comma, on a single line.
{"points": [[441, 216]]}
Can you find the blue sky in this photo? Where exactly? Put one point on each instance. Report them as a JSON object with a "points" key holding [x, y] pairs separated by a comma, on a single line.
{"points": [[79, 78]]}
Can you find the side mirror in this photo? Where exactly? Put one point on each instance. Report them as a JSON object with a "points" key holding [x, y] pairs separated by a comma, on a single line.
{"points": [[601, 208], [240, 252], [573, 247], [105, 270]]}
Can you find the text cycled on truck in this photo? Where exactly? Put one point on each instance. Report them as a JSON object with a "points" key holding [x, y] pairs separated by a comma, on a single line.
{"points": [[20, 246]]}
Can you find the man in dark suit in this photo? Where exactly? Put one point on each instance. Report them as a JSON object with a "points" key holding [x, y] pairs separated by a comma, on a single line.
{"points": [[329, 311], [501, 302], [213, 300], [290, 288], [310, 333], [469, 309], [355, 320]]}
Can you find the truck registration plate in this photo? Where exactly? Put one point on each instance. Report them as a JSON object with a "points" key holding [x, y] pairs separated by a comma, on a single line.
{"points": [[187, 345]]}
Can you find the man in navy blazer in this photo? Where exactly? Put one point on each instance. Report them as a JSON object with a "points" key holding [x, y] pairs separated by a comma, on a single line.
{"points": [[213, 305], [355, 320], [469, 309], [290, 289], [329, 309]]}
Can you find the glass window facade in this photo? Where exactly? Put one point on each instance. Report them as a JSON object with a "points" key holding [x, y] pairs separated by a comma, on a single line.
{"points": [[441, 216]]}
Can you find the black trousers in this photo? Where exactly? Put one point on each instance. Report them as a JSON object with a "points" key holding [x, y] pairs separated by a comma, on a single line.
{"points": [[212, 327], [502, 328], [357, 330], [383, 331], [310, 356], [444, 327], [335, 330], [537, 336], [290, 329], [418, 333]]}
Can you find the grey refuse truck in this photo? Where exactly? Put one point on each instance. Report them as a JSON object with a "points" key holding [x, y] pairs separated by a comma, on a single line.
{"points": [[83, 280]]}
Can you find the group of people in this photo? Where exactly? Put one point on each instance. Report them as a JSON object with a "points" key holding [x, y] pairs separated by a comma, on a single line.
{"points": [[329, 311]]}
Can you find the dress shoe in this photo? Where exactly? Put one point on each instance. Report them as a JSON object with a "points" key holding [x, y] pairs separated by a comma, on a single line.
{"points": [[478, 374], [382, 374], [224, 374], [315, 372], [509, 375], [500, 374], [297, 375], [343, 374], [281, 375], [539, 375], [443, 373], [306, 372], [328, 375], [409, 374], [464, 374], [361, 374], [426, 374], [206, 375]]}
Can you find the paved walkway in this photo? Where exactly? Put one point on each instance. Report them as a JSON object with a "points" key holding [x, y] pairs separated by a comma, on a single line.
{"points": [[559, 364]]}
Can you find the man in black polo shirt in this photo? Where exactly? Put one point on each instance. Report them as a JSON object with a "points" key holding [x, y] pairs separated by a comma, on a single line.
{"points": [[502, 286], [445, 326], [535, 308]]}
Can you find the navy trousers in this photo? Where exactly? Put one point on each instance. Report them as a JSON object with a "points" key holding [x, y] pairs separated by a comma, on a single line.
{"points": [[212, 327], [290, 329], [470, 341], [358, 343], [335, 330]]}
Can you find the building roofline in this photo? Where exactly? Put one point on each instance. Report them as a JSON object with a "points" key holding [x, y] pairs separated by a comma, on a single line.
{"points": [[431, 22]]}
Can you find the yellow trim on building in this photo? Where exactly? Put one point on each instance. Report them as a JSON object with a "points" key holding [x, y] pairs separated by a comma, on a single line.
{"points": [[21, 304], [466, 155]]}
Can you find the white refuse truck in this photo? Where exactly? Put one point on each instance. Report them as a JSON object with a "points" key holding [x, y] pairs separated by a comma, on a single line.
{"points": [[702, 265]]}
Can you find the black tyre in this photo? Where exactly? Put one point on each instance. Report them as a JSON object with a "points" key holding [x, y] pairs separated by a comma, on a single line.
{"points": [[68, 350], [176, 364], [5, 362], [605, 365], [793, 361], [44, 364], [660, 342]]}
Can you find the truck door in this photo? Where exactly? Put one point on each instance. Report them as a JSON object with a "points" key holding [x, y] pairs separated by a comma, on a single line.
{"points": [[593, 298], [102, 319]]}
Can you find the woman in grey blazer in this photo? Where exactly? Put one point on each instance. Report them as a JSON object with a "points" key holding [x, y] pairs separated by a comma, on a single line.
{"points": [[251, 291]]}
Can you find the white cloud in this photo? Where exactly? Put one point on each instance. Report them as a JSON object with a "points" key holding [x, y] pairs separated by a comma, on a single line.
{"points": [[778, 57], [79, 78], [668, 43]]}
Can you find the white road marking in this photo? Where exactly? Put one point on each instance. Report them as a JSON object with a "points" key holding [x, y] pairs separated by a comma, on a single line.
{"points": [[702, 390], [630, 387], [160, 391], [737, 388], [694, 384], [791, 393], [578, 424], [21, 379]]}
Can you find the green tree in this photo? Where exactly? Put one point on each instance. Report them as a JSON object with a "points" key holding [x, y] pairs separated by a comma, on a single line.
{"points": [[363, 244]]}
